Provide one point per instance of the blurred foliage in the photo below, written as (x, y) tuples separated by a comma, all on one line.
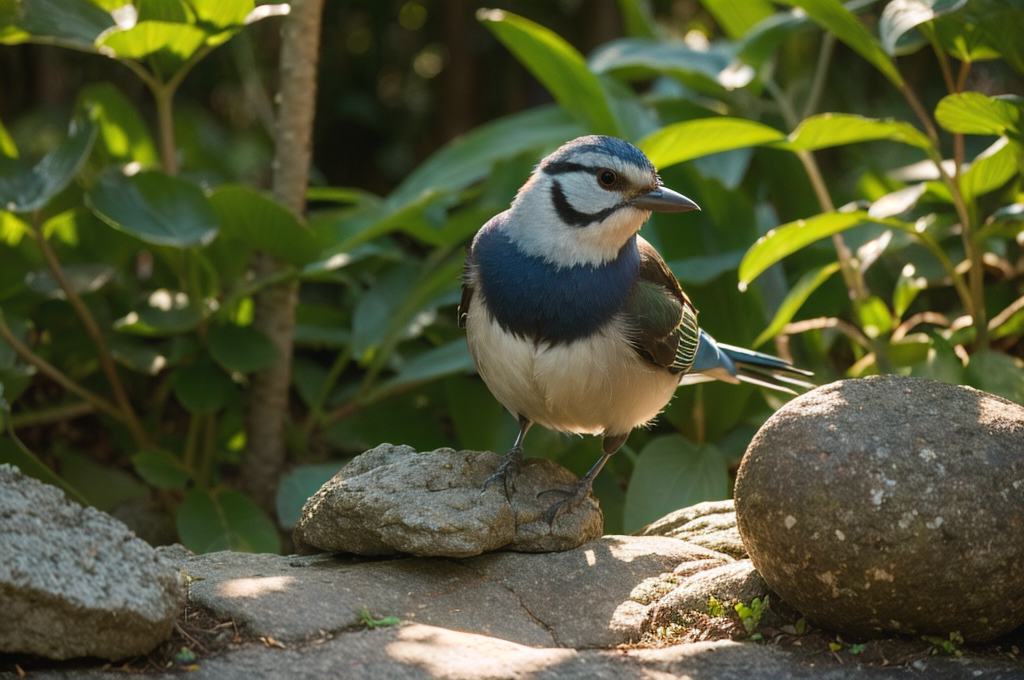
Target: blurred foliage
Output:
[(134, 217)]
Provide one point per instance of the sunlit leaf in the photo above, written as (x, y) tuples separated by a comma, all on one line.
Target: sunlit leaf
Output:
[(220, 15), (695, 138), (164, 313), (908, 285), (123, 134), (254, 220), (900, 17), (875, 318), (225, 520), (972, 113), (165, 44), (155, 207), (642, 59), (795, 299), (736, 18), (637, 18), (7, 146), (836, 129), (759, 43), (24, 189), (672, 473), (991, 169), (557, 65), (69, 23)]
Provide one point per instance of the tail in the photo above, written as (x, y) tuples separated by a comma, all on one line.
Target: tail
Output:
[(716, 361)]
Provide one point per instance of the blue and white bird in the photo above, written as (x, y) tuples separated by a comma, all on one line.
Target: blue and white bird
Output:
[(574, 321)]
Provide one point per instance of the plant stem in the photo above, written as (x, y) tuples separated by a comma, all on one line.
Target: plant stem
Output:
[(54, 414), (828, 43), (316, 409), (195, 423), (106, 360), (164, 97)]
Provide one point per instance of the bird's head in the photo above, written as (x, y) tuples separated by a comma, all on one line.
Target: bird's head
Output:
[(586, 200)]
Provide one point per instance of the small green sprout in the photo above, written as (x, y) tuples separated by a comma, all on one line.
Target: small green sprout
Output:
[(370, 623), (715, 608), (750, 616), (948, 646)]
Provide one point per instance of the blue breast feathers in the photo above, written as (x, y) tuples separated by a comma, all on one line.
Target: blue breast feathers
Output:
[(533, 299)]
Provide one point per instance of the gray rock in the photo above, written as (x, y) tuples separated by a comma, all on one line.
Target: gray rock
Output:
[(710, 525), (575, 598), (392, 500), (891, 504), (729, 583), (75, 581)]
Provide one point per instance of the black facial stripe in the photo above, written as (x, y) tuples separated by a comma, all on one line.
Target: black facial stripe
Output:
[(574, 217), (562, 167)]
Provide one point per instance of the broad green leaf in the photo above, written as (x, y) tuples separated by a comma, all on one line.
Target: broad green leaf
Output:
[(137, 354), (672, 473), (12, 228), (297, 486), (984, 30), (911, 350), (795, 299), (348, 229), (376, 308), (900, 17), (759, 43), (242, 349), (25, 189), (875, 318), (164, 313), (14, 454), (7, 146), (160, 468), (346, 195), (122, 132), (831, 15), (220, 15), (256, 221), (701, 270), (637, 17), (83, 279), (156, 208), (972, 113), (104, 486), (321, 326), (991, 169), (69, 23), (164, 44), (695, 138), (202, 388), (836, 129), (789, 238), (443, 360), (173, 11), (908, 285), (557, 65), (1012, 322), (642, 59), (225, 520), (736, 18), (998, 373)]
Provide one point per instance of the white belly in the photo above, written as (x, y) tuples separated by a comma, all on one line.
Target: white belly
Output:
[(596, 385)]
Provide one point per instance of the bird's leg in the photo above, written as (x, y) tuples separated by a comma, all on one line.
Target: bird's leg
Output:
[(581, 491), (511, 462)]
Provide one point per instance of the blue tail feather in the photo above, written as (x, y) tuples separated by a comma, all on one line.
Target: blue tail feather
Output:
[(736, 364)]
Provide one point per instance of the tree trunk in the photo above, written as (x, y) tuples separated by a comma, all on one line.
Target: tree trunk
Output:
[(275, 305)]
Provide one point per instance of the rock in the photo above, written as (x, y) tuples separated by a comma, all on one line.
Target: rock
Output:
[(729, 583), (891, 504), (75, 581), (576, 598), (711, 525), (393, 500)]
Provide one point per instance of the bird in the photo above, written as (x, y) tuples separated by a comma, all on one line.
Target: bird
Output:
[(575, 322)]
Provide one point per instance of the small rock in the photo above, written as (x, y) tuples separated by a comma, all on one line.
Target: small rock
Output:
[(710, 525), (75, 581), (392, 500), (891, 504), (733, 582)]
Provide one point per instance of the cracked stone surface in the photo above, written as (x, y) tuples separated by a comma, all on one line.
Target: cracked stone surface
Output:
[(392, 500), (891, 504), (576, 598), (74, 581), (711, 525)]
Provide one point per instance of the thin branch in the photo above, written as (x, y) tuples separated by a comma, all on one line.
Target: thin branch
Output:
[(824, 322), (54, 414), (828, 43), (106, 360), (916, 320), (1004, 316)]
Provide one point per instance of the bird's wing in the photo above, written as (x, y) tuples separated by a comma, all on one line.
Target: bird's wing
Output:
[(468, 278), (660, 319)]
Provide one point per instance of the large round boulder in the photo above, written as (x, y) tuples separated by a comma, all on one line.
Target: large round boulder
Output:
[(891, 504)]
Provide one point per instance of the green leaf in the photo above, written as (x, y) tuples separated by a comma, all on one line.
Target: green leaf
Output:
[(202, 388), (972, 113), (836, 129), (122, 132), (137, 354), (703, 269), (257, 221), (376, 308), (156, 208), (831, 15), (795, 299), (164, 313), (221, 15), (557, 65), (14, 453), (737, 18), (105, 487), (242, 349), (875, 318), (641, 59), (24, 189), (225, 520), (7, 146), (908, 285), (161, 469), (637, 18), (671, 473), (83, 279), (443, 360), (789, 238), (997, 373), (910, 350), (991, 169), (69, 23), (166, 45), (695, 138), (761, 40), (297, 486), (900, 17)]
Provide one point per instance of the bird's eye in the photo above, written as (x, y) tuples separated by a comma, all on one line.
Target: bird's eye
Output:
[(607, 178)]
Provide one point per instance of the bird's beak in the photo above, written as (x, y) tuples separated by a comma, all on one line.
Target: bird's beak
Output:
[(664, 199)]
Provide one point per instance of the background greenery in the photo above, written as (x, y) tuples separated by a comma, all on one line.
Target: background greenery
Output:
[(858, 167)]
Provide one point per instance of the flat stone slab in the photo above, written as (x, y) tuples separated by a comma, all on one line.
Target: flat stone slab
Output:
[(576, 598)]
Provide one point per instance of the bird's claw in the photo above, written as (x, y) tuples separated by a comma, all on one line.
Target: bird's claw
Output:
[(574, 497), (508, 470)]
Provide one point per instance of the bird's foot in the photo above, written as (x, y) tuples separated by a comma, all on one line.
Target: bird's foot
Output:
[(574, 497), (508, 470)]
